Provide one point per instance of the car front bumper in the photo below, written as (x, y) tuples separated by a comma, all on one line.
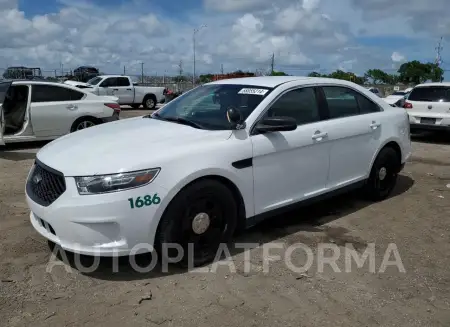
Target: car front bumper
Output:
[(99, 225)]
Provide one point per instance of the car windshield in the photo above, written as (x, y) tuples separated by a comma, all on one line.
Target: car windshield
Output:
[(94, 81), (206, 105), (430, 94)]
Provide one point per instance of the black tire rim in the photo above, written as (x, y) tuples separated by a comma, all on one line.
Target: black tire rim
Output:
[(205, 241), (385, 177)]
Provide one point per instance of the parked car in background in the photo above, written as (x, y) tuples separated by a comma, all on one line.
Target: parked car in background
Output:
[(123, 87), (398, 97), (85, 73), (37, 111), (375, 90), (249, 148), (428, 106)]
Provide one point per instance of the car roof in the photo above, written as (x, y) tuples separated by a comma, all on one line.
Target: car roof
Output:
[(29, 82), (434, 84), (103, 76), (273, 81)]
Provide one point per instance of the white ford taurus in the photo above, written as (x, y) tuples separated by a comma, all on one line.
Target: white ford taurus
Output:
[(218, 158)]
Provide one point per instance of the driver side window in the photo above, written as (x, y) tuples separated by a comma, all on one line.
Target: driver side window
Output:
[(109, 82), (300, 104)]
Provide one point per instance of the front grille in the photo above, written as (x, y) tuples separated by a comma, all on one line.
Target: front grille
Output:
[(45, 184)]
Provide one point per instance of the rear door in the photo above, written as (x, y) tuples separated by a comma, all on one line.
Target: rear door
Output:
[(54, 108), (4, 87), (124, 90), (429, 105), (354, 127)]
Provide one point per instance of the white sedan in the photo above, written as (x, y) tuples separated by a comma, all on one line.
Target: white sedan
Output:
[(220, 157), (38, 110), (397, 98)]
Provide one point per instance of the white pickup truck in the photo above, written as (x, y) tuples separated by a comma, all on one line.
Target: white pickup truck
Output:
[(123, 87)]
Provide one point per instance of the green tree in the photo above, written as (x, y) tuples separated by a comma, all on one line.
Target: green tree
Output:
[(315, 74), (417, 72), (377, 75), (275, 73)]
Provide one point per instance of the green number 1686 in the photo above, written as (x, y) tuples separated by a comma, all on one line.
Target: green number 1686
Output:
[(144, 201)]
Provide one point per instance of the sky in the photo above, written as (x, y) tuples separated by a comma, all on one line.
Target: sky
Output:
[(303, 35)]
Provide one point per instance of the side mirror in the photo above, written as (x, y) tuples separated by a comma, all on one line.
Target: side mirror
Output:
[(276, 124), (235, 118)]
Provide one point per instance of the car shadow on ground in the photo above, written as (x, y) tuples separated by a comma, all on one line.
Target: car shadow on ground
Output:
[(310, 219), (431, 137), (18, 151)]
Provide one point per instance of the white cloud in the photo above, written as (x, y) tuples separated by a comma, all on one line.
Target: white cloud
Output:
[(240, 33), (397, 57)]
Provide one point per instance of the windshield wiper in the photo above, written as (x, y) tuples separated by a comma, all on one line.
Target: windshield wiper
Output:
[(179, 120), (183, 121)]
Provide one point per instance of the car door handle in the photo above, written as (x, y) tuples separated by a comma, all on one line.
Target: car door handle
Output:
[(115, 89), (128, 89), (71, 107), (318, 136), (374, 125)]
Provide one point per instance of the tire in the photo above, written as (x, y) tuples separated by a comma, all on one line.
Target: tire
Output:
[(149, 102), (183, 222), (135, 105), (383, 176), (82, 123)]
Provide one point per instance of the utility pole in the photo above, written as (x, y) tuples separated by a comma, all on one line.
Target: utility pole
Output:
[(180, 67), (272, 64), (124, 70), (221, 69), (193, 41), (142, 72), (438, 60)]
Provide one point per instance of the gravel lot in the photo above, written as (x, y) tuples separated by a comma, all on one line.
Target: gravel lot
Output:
[(415, 218)]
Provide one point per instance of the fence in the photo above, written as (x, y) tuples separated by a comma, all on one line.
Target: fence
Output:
[(174, 84)]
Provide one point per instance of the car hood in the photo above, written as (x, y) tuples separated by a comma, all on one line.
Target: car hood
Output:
[(125, 145)]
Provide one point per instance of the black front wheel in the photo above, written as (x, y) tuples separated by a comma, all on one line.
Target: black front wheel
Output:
[(197, 221), (383, 176)]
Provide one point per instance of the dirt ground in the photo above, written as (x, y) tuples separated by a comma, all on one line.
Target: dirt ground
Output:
[(415, 219)]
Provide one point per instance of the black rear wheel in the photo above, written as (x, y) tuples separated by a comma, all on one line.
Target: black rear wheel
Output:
[(199, 219), (383, 176)]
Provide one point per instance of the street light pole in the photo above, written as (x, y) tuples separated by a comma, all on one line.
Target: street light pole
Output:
[(193, 41)]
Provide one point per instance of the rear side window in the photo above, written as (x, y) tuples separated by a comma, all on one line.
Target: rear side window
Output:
[(430, 94), (123, 81), (51, 93), (344, 102)]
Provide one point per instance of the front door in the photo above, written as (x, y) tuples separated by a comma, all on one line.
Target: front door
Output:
[(354, 130), (291, 166), (4, 87)]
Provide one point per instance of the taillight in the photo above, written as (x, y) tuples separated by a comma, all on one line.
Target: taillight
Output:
[(114, 106), (407, 105)]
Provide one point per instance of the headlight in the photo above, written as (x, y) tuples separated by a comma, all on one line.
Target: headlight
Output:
[(116, 182)]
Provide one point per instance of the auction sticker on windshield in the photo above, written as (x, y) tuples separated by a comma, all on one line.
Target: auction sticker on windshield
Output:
[(253, 91)]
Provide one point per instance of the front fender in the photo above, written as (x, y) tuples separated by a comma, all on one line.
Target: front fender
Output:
[(212, 172)]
